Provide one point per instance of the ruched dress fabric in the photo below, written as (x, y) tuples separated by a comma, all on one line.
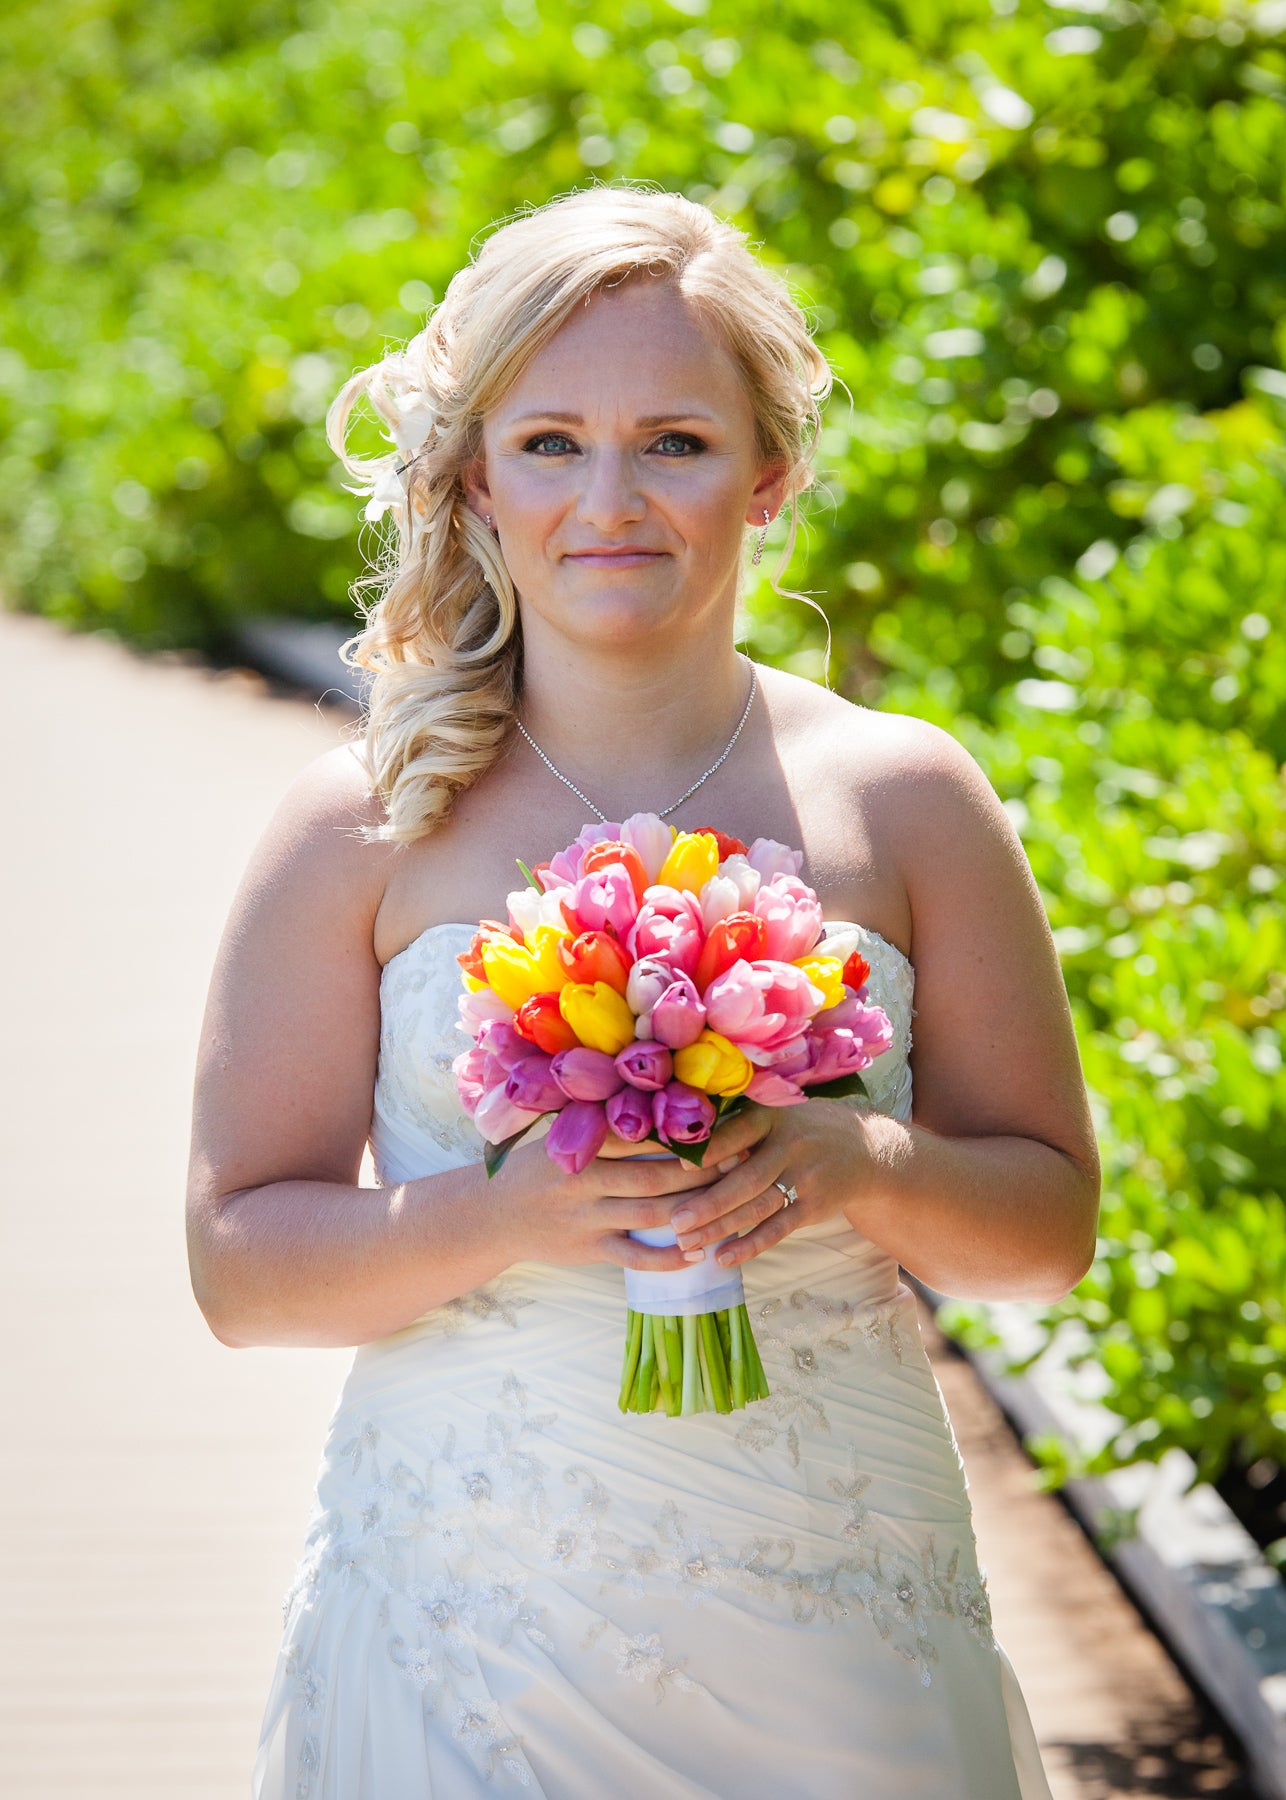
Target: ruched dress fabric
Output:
[(509, 1587)]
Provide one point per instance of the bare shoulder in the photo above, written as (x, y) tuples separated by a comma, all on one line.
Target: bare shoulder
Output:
[(890, 759), (318, 842)]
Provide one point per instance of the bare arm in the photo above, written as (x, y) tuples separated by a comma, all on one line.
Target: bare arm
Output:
[(992, 1191), (284, 1246)]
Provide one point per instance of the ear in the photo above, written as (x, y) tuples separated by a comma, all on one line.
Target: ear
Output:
[(476, 492), (769, 493)]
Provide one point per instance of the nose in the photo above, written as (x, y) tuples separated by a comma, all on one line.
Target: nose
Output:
[(610, 496)]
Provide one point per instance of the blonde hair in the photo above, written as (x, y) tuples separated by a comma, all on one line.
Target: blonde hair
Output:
[(442, 640)]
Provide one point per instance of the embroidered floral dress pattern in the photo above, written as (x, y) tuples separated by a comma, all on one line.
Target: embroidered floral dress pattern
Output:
[(482, 1504)]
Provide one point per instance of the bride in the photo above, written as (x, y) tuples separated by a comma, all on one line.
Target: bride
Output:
[(507, 1584)]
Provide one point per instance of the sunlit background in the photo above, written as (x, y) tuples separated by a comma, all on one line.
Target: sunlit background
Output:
[(1044, 251)]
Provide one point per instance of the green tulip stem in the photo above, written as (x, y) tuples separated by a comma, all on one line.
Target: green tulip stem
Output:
[(633, 1341)]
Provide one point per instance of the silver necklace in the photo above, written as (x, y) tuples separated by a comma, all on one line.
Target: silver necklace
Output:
[(675, 805)]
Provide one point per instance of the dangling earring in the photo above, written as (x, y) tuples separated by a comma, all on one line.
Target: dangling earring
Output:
[(757, 558), (487, 517)]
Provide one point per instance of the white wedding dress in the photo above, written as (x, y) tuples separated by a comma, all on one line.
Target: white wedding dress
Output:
[(510, 1587)]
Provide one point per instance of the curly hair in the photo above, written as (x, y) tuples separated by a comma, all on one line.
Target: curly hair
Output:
[(442, 638)]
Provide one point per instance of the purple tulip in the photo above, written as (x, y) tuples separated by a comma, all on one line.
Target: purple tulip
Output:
[(629, 1113), (497, 1117), (499, 1039), (682, 1115), (678, 1017), (585, 1074), (848, 1049), (531, 1084), (577, 1135), (645, 1065)]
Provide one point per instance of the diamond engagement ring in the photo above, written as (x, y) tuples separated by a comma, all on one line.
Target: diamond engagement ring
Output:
[(789, 1192)]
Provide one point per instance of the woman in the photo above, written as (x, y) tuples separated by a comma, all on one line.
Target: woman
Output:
[(507, 1583)]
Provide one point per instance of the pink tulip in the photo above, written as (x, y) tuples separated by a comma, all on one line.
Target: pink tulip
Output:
[(476, 1010), (668, 925), (584, 1074), (793, 1058), (678, 1017), (530, 1084), (682, 1115), (566, 869), (793, 917), (771, 858), (603, 901), (645, 1065), (650, 836), (761, 1004), (470, 1076), (497, 1117), (768, 1088), (647, 981), (577, 1135), (719, 897), (869, 1023), (629, 1114)]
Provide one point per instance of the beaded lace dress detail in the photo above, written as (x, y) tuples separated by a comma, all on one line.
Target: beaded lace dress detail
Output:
[(489, 1528)]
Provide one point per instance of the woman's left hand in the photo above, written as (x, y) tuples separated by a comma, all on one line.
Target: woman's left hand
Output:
[(819, 1149)]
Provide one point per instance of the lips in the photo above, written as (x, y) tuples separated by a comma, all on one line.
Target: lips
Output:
[(615, 556)]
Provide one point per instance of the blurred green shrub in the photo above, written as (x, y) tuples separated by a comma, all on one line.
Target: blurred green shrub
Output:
[(1044, 250)]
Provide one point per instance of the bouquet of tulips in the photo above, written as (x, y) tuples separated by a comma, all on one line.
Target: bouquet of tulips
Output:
[(646, 982)]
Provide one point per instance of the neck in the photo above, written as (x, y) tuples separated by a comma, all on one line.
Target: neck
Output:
[(632, 733)]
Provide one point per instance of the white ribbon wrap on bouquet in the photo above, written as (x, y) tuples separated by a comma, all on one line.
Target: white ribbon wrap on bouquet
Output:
[(701, 1287)]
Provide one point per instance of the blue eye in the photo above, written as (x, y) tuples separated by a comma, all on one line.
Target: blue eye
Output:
[(684, 440), (558, 438)]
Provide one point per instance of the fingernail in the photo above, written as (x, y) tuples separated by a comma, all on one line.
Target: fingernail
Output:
[(728, 1163), (681, 1220), (694, 1256), (724, 1258)]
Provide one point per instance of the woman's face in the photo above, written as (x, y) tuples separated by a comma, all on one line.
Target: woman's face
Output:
[(620, 472)]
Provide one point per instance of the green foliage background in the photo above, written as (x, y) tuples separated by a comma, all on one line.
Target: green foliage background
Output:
[(1044, 249)]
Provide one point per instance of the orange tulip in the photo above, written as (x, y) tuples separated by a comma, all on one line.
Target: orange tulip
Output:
[(595, 956), (728, 846), (740, 937), (470, 960), (857, 971), (541, 1022), (601, 854)]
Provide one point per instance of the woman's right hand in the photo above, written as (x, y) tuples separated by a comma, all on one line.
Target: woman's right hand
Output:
[(551, 1217)]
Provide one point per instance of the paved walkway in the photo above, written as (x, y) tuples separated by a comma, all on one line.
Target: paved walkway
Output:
[(156, 1483)]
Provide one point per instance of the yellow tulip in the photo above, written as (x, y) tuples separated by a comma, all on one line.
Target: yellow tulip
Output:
[(517, 971), (693, 860), (714, 1065), (543, 943), (598, 1015), (826, 973)]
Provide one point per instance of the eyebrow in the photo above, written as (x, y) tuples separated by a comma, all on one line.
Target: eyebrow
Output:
[(650, 421)]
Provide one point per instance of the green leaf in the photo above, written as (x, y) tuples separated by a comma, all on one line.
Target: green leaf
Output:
[(494, 1155), (839, 1089), (530, 877)]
